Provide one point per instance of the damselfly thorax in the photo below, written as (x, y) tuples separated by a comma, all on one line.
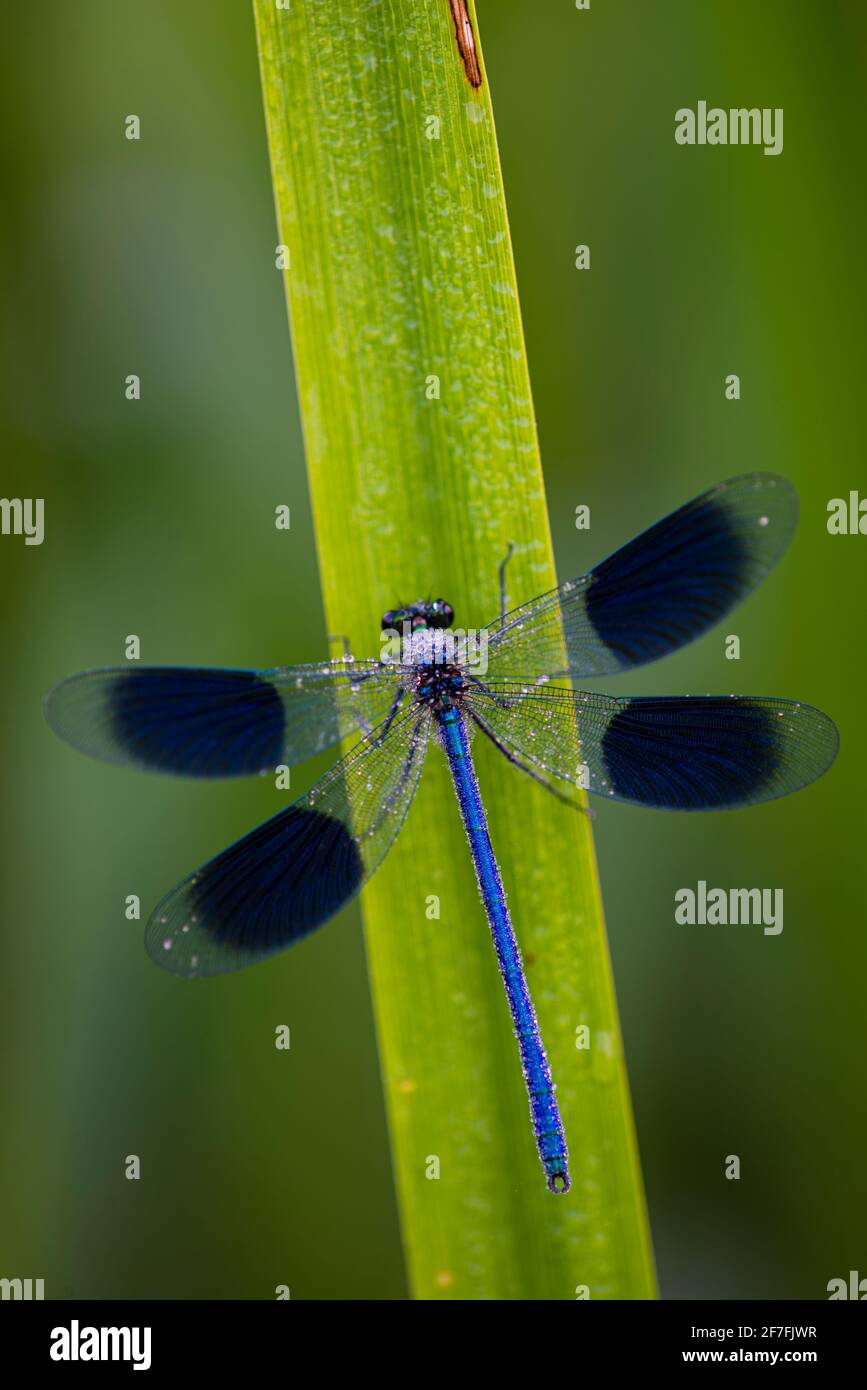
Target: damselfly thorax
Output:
[(440, 687), (434, 679)]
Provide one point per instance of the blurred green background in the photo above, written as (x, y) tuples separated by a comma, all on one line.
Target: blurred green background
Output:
[(261, 1167)]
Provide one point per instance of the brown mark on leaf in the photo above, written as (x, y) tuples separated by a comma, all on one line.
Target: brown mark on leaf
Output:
[(466, 42)]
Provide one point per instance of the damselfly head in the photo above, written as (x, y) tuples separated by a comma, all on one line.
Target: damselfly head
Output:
[(426, 613)]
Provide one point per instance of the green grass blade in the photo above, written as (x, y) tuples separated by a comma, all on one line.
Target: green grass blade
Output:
[(390, 199)]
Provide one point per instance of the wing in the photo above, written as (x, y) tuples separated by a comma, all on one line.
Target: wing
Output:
[(218, 723), (294, 872), (681, 753), (659, 592)]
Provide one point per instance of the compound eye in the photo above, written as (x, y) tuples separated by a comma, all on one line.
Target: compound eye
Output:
[(388, 620), (442, 614)]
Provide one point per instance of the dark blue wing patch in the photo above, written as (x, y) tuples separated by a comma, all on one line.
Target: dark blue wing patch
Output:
[(676, 752), (691, 755), (305, 865), (657, 593), (214, 722), (273, 887), (672, 582), (291, 874), (205, 723)]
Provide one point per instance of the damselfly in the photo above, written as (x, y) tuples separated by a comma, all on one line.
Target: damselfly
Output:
[(686, 753)]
